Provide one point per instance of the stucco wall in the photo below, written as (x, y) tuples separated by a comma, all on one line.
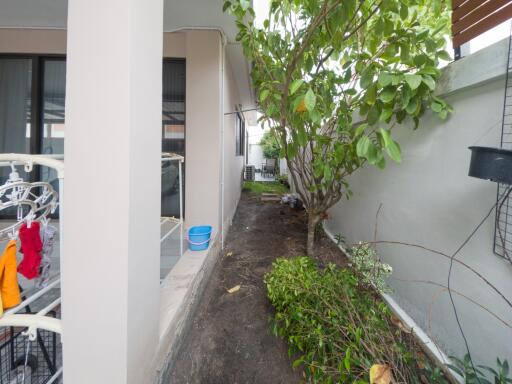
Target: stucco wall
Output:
[(429, 200), (203, 53), (233, 165)]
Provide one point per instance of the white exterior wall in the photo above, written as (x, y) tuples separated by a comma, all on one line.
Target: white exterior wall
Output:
[(256, 157), (202, 128), (429, 200), (233, 165)]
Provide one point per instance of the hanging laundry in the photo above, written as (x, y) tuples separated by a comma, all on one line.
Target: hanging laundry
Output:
[(31, 247), (48, 241), (9, 288)]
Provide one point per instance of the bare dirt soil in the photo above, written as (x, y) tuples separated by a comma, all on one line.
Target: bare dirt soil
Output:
[(230, 340)]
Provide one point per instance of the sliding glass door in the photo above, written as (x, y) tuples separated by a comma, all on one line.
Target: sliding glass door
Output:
[(32, 116), (52, 112), (15, 105)]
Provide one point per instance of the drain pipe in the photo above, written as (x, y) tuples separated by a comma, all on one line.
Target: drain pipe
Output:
[(224, 42), (222, 64)]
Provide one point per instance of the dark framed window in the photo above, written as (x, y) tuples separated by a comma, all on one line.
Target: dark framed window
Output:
[(173, 132), (32, 94), (240, 134)]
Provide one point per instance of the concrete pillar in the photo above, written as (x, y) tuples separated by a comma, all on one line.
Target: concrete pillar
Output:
[(203, 141), (110, 266)]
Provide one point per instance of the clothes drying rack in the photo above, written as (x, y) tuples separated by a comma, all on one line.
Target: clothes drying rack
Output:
[(176, 222), (42, 326), (29, 328)]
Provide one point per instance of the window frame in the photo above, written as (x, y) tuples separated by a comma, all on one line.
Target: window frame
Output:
[(36, 97), (240, 130)]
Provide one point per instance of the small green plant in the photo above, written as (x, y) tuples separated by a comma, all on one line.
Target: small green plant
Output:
[(283, 179), (371, 270), (336, 328), (340, 240), (477, 375)]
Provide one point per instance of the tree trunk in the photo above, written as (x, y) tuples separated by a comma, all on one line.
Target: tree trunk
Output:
[(313, 220)]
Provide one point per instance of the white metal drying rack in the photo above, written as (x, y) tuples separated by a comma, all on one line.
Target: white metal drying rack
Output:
[(176, 222), (34, 322), (40, 320)]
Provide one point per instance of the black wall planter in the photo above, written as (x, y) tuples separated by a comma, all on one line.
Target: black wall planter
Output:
[(493, 164)]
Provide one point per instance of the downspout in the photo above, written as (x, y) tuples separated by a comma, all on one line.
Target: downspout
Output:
[(223, 60), (224, 41)]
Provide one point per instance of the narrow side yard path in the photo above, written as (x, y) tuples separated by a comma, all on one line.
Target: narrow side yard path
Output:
[(230, 340)]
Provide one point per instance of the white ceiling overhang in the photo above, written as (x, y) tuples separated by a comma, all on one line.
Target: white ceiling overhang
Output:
[(178, 14)]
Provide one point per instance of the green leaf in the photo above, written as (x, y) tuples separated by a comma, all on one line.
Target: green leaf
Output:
[(327, 175), (430, 82), (386, 114), (310, 100), (366, 79), (362, 146), (387, 95), (346, 360), (371, 95), (385, 79), (413, 81), (295, 85), (443, 55), (373, 115), (436, 107), (412, 107), (227, 4), (263, 95), (386, 137), (393, 150), (404, 12), (360, 129), (297, 362)]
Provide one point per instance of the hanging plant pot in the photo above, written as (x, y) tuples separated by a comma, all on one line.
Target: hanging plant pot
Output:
[(493, 164)]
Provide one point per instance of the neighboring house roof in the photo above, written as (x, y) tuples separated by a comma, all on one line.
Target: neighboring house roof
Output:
[(178, 14)]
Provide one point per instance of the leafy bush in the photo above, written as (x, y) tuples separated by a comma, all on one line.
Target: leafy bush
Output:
[(477, 375), (371, 271), (336, 328), (270, 146)]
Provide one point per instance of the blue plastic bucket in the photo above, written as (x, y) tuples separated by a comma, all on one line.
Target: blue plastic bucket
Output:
[(199, 237)]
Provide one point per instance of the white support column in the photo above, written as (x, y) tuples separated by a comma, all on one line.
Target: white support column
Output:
[(111, 261)]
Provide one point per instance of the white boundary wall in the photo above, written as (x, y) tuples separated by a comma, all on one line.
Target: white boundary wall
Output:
[(430, 200)]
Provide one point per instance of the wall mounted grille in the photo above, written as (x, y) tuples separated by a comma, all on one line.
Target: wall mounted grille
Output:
[(471, 18), (503, 225)]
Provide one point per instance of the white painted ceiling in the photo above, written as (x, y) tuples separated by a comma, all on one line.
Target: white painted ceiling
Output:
[(177, 14)]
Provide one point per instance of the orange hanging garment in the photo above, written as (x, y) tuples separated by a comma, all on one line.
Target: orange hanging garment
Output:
[(9, 288)]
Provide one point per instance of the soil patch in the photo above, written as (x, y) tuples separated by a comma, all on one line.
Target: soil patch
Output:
[(230, 340)]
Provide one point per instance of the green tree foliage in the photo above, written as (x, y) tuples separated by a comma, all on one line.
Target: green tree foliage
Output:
[(334, 78), (270, 146)]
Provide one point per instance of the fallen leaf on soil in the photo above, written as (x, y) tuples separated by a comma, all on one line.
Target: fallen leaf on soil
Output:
[(399, 324), (380, 374), (234, 289)]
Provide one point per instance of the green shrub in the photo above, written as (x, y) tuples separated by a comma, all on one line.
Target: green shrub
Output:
[(335, 327), (371, 271), (477, 375)]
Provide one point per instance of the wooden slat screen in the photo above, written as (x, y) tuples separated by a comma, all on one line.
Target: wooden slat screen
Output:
[(471, 18)]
